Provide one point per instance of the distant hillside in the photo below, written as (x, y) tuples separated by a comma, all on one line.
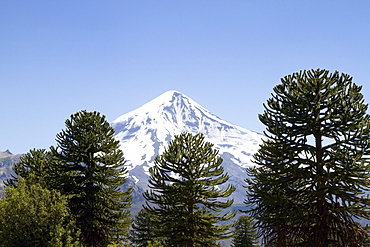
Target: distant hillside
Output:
[(7, 159)]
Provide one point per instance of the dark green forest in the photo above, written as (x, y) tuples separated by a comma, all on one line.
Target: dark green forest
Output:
[(309, 186)]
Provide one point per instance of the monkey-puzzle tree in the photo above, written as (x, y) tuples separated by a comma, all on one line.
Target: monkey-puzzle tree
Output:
[(39, 163), (245, 234), (308, 187), (143, 229), (91, 171), (185, 196)]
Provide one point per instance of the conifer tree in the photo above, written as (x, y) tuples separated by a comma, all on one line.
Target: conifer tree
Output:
[(185, 196), (144, 229), (39, 163), (245, 234), (91, 172), (308, 188)]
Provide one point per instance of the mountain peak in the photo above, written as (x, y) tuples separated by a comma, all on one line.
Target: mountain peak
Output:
[(145, 132), (157, 105), (171, 106), (166, 97), (5, 154), (171, 113), (170, 94)]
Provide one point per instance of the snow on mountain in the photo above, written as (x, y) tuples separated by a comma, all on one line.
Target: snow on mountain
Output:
[(144, 133)]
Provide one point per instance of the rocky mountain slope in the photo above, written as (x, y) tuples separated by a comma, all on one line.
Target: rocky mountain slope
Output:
[(7, 159)]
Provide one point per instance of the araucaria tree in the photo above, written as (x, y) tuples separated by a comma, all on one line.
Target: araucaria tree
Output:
[(312, 169), (185, 195), (91, 172), (38, 165), (143, 229), (245, 233)]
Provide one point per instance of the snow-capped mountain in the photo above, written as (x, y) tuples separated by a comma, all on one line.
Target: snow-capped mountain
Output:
[(144, 133)]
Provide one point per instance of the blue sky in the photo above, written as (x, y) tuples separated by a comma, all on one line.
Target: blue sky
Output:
[(59, 57)]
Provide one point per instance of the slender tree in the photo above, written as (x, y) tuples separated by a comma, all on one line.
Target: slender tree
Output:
[(185, 196), (91, 172), (245, 234), (308, 188)]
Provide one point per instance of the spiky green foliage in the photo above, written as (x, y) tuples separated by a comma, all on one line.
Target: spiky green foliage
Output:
[(143, 229), (91, 171), (39, 163), (308, 187), (185, 196), (245, 233), (31, 215), (155, 243)]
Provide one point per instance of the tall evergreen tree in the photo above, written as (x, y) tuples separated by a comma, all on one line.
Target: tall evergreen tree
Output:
[(185, 196), (245, 234), (308, 187), (91, 172)]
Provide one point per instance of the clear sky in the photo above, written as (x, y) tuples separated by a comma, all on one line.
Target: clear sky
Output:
[(59, 57)]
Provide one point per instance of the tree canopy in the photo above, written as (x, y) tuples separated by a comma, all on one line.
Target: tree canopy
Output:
[(39, 165), (312, 169), (245, 234), (91, 171), (143, 229), (31, 215)]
